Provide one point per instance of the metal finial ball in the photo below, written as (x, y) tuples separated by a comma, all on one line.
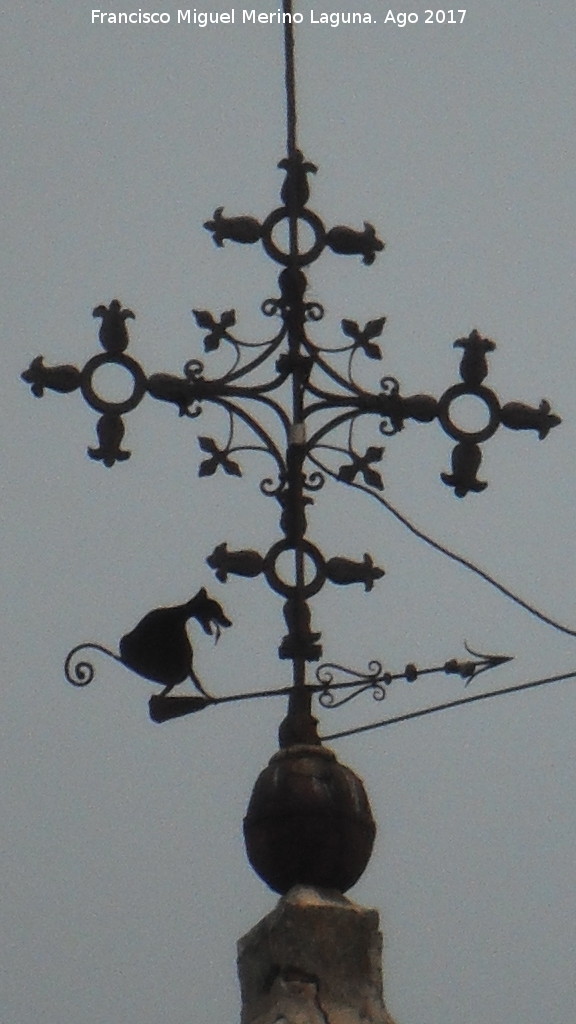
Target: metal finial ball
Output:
[(309, 822)]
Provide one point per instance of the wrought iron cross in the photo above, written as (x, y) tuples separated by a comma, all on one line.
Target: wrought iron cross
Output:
[(325, 402)]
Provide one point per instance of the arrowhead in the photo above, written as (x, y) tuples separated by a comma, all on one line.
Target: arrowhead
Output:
[(499, 659), (487, 661)]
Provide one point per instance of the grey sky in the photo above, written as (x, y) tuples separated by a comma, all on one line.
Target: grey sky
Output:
[(125, 880)]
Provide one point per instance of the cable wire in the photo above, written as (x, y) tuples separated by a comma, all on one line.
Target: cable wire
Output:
[(459, 559), (448, 705)]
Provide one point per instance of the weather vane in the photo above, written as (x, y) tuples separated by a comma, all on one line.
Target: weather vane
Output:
[(309, 436)]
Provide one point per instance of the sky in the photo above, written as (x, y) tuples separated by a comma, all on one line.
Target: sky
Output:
[(126, 884)]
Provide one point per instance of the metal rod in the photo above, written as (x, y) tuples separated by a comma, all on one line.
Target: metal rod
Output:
[(299, 701), (290, 78)]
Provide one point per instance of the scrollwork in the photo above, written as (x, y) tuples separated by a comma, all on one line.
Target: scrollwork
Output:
[(374, 681), (271, 307), (327, 698), (314, 311), (194, 370), (389, 386), (388, 427), (194, 412), (271, 488), (81, 673), (327, 673), (314, 481), (283, 305)]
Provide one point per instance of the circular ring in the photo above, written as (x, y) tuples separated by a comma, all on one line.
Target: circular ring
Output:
[(285, 258), (278, 584), (456, 432), (120, 359)]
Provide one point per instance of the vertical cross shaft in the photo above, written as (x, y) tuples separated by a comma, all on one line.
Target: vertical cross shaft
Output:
[(300, 702)]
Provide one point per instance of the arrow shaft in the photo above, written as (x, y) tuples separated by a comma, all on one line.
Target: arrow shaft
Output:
[(365, 682)]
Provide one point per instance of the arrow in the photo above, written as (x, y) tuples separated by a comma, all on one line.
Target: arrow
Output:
[(468, 669), (164, 708)]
